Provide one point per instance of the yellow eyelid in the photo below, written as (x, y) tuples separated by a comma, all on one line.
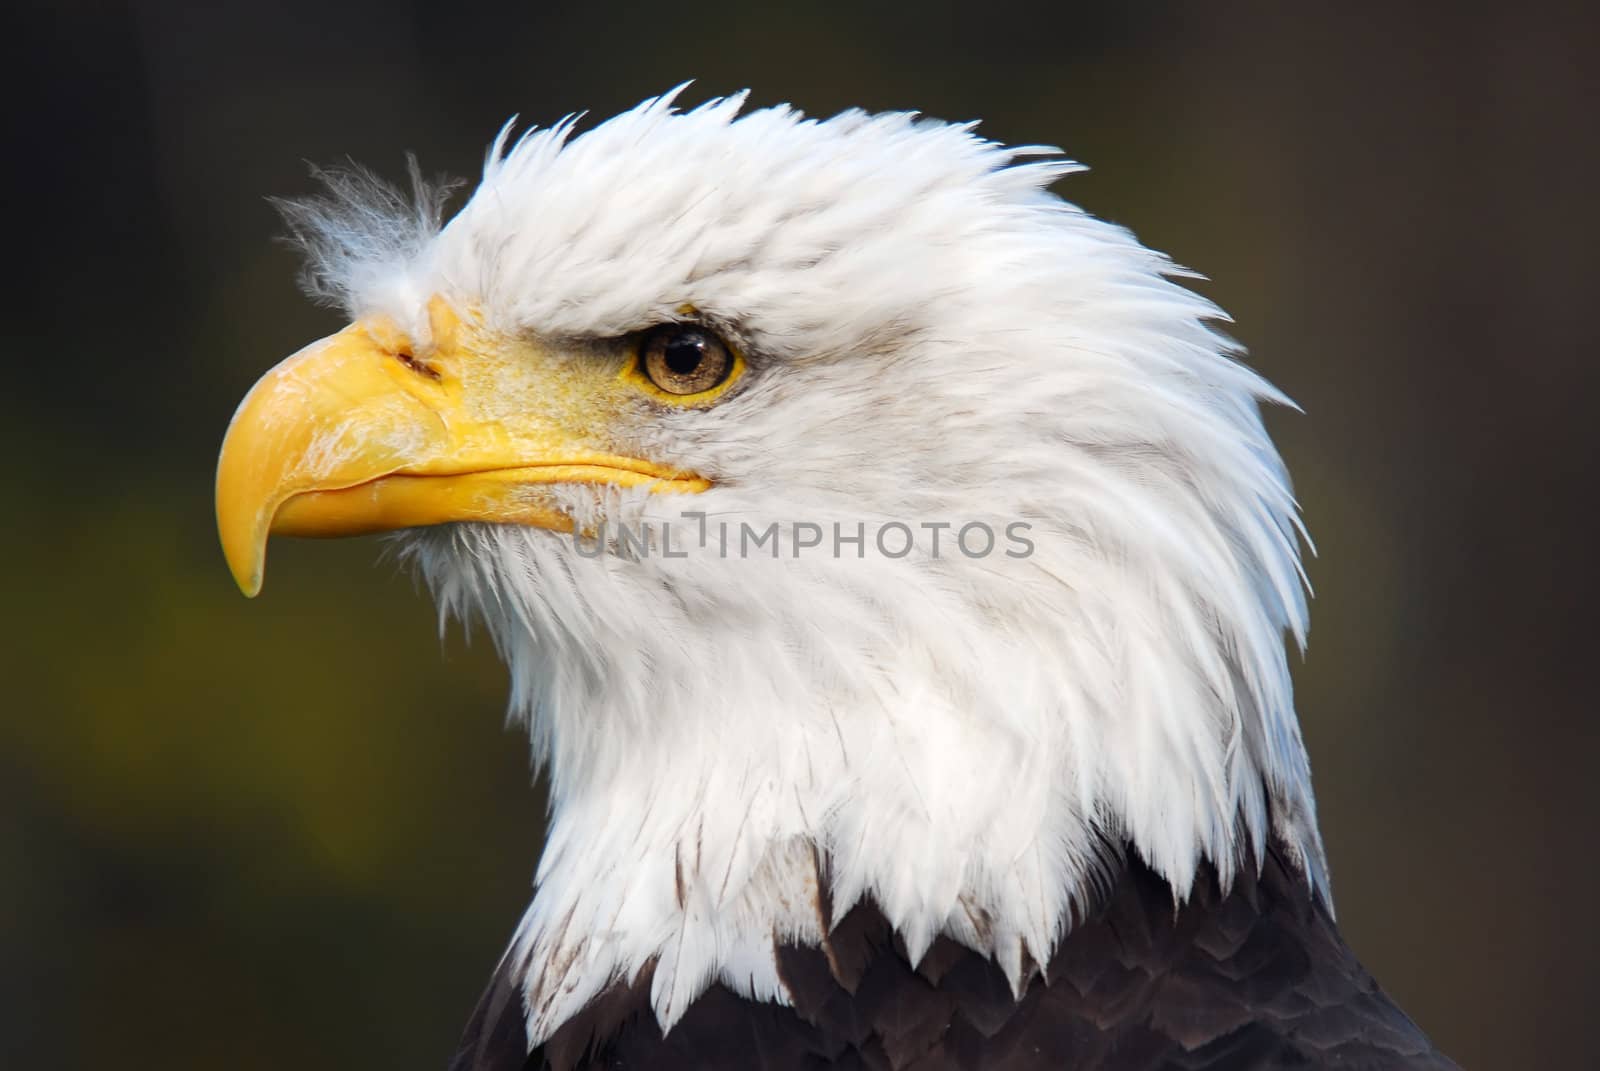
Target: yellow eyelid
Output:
[(633, 375)]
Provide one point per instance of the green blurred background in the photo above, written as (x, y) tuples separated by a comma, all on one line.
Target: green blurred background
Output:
[(294, 833)]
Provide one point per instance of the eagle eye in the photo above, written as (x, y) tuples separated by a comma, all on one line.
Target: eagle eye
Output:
[(685, 358)]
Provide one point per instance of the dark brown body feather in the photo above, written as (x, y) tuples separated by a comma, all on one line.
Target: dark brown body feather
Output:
[(1258, 978)]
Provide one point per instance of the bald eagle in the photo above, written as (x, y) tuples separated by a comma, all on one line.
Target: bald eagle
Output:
[(893, 572)]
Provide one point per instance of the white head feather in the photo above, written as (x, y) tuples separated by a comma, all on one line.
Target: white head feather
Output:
[(933, 336)]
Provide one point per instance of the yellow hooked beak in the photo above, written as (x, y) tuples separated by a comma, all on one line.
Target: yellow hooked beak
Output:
[(362, 433)]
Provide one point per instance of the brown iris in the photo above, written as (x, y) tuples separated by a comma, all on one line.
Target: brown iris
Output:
[(685, 358)]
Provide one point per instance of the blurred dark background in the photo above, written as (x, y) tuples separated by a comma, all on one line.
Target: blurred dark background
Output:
[(293, 833)]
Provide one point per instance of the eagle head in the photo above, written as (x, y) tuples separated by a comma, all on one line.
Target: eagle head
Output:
[(857, 519)]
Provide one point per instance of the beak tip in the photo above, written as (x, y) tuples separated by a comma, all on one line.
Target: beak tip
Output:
[(247, 577), (245, 552), (242, 527)]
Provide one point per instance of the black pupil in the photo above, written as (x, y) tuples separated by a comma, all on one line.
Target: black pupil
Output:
[(683, 353)]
